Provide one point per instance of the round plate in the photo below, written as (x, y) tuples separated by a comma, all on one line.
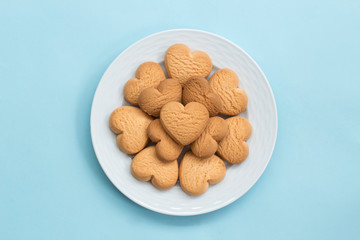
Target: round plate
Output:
[(261, 112)]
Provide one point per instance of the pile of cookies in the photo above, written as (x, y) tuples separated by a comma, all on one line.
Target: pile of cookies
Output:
[(181, 110)]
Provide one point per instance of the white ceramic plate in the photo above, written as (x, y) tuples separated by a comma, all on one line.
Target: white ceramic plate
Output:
[(261, 112)]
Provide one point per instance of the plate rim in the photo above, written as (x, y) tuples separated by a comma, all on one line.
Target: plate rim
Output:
[(213, 208)]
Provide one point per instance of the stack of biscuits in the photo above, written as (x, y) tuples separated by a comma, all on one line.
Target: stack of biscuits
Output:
[(178, 111)]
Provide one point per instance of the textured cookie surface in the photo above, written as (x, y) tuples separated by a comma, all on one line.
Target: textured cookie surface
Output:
[(181, 63), (196, 174), (166, 148), (233, 147), (148, 74), (146, 166), (184, 124), (207, 144), (130, 124), (197, 89), (224, 83), (151, 100)]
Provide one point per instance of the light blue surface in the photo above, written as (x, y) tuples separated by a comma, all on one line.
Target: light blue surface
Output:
[(52, 56)]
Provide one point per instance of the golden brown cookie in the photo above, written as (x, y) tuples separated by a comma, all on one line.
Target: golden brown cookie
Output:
[(207, 144), (166, 148), (148, 74), (151, 100), (146, 166), (184, 124), (130, 123), (224, 83), (197, 89), (196, 174), (181, 63), (233, 147)]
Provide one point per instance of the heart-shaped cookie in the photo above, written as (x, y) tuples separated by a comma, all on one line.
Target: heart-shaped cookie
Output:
[(184, 124), (196, 174), (146, 166), (130, 124), (181, 63), (207, 144), (151, 100), (148, 74), (166, 148), (224, 83), (197, 89), (233, 147)]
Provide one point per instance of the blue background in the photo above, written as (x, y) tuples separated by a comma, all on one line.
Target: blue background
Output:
[(52, 56)]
